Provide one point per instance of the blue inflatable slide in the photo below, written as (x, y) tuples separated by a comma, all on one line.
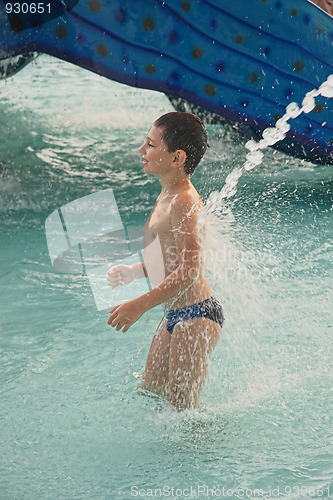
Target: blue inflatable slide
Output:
[(243, 62)]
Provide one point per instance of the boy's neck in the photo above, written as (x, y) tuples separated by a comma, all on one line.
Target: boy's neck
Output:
[(175, 183)]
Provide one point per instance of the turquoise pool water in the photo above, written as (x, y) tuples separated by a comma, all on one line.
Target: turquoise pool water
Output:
[(72, 424)]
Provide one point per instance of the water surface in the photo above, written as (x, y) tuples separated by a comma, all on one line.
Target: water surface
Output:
[(72, 424)]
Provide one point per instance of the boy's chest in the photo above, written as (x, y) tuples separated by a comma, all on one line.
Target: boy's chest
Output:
[(159, 220)]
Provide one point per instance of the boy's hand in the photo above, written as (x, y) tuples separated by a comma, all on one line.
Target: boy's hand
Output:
[(120, 275), (125, 315)]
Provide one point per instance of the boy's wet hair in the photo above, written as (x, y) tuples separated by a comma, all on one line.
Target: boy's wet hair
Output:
[(184, 131)]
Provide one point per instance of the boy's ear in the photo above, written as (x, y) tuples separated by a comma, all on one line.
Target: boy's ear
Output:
[(180, 157)]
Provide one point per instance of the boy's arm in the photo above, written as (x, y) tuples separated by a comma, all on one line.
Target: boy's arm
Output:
[(184, 223), (139, 270), (123, 274)]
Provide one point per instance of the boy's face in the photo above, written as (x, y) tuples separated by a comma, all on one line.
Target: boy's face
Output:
[(155, 155)]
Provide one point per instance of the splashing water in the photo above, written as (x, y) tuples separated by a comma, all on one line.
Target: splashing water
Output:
[(231, 268), (270, 136)]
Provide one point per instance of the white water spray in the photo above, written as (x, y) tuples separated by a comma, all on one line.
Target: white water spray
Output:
[(233, 273), (270, 136)]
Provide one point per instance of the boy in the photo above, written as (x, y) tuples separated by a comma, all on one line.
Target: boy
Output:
[(178, 359)]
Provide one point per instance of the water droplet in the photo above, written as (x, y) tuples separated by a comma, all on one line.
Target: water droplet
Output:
[(252, 145), (330, 80), (308, 104), (255, 157), (272, 135), (282, 125), (326, 90), (232, 178), (292, 110), (249, 166)]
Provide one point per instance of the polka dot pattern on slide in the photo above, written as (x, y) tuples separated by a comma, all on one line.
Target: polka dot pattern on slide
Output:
[(150, 69), (173, 37), (16, 24), (94, 5), (319, 108), (220, 67), (210, 89), (149, 24), (197, 53), (175, 75), (62, 32), (254, 77), (298, 66), (121, 15), (102, 50), (186, 6)]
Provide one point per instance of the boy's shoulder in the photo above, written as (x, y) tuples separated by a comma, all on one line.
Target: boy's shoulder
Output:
[(185, 203), (186, 197)]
